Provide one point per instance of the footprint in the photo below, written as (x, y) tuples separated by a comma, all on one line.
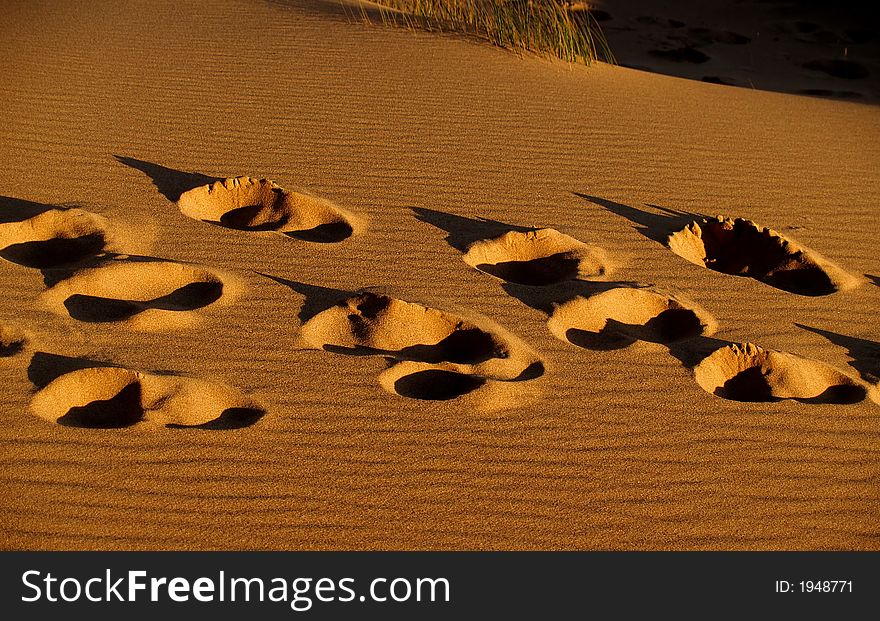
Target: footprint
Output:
[(845, 69), (248, 204), (619, 317), (539, 257), (373, 324), (685, 54), (443, 382), (54, 237), (750, 373), (115, 397), (742, 248), (145, 294), (13, 340)]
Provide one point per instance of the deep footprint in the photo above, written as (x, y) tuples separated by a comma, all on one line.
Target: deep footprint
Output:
[(145, 294), (437, 385), (53, 238), (750, 373), (742, 248), (538, 258), (114, 398), (373, 324), (622, 316), (248, 204)]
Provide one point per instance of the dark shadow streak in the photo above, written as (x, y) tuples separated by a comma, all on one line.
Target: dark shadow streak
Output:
[(655, 226), (865, 354), (317, 298), (44, 368), (873, 279), (171, 183), (230, 418), (546, 298), (461, 231), (17, 210)]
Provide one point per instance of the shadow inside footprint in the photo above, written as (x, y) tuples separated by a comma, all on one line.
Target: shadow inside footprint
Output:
[(437, 385), (52, 252), (329, 233), (230, 418), (96, 309), (537, 272), (252, 218), (122, 410)]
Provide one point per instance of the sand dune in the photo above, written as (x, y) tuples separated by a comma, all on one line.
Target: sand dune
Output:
[(509, 356)]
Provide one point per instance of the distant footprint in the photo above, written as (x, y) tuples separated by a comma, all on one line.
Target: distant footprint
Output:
[(845, 69), (742, 248), (54, 237), (750, 373), (114, 397), (248, 204), (147, 294), (13, 340), (622, 316), (540, 257), (685, 54)]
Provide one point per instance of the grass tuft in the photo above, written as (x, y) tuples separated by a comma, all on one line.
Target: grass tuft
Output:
[(560, 28)]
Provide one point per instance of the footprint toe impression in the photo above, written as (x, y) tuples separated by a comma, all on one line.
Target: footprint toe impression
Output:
[(114, 397), (622, 316), (53, 238), (248, 204), (750, 373), (742, 248), (456, 355), (147, 295), (538, 258)]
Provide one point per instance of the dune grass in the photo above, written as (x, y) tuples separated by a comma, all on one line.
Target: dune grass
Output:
[(546, 27)]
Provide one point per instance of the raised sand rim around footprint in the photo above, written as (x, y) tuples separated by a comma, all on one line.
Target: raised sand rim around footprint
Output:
[(144, 294), (113, 397), (374, 324), (539, 257), (54, 237), (742, 248), (622, 316), (751, 373), (248, 204)]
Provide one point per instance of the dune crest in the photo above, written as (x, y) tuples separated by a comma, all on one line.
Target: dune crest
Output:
[(748, 372), (54, 237), (145, 294), (248, 204), (115, 397), (540, 257), (742, 248), (621, 316)]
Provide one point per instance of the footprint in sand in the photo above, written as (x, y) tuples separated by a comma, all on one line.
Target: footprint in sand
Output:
[(248, 204), (750, 373), (453, 355), (845, 69), (142, 293), (54, 237), (742, 248), (537, 257), (622, 316), (115, 397), (13, 340)]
